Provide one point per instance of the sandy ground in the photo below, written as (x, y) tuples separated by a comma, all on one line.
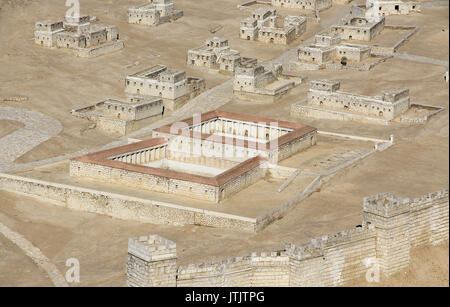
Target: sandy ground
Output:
[(8, 127), (56, 82)]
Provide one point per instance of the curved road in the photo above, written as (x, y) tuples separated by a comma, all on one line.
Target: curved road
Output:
[(37, 129)]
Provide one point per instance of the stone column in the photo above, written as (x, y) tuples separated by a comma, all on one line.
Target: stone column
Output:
[(151, 262)]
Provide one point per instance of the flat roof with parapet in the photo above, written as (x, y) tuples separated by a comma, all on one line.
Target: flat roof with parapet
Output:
[(129, 104), (144, 7), (262, 11), (154, 71), (356, 46), (315, 46), (105, 157)]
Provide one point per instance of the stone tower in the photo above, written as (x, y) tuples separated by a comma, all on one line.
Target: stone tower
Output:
[(151, 262), (390, 216)]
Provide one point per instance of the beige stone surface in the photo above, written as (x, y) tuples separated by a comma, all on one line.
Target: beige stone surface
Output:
[(417, 164)]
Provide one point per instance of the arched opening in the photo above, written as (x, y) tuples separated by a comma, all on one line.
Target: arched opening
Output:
[(344, 61), (380, 113)]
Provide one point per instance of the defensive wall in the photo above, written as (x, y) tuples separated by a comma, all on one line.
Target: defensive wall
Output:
[(381, 245)]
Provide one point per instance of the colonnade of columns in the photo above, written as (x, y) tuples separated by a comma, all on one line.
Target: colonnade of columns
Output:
[(142, 156), (244, 129)]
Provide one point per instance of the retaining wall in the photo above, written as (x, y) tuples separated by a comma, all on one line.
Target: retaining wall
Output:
[(123, 207)]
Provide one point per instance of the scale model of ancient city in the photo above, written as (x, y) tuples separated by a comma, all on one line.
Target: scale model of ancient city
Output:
[(180, 143)]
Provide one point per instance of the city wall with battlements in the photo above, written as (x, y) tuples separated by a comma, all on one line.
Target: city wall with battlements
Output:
[(379, 247)]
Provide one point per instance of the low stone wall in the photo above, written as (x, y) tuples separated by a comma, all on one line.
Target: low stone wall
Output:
[(390, 50), (263, 95), (100, 50), (303, 110), (300, 66), (122, 207), (404, 118), (279, 212), (380, 246), (249, 3)]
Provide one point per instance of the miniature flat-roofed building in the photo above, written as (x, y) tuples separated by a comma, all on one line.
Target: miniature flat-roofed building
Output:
[(171, 85), (78, 33), (155, 13), (344, 53), (45, 32), (209, 157), (263, 25), (327, 39), (326, 101), (304, 4), (257, 83), (122, 117), (391, 7), (217, 54), (316, 54), (359, 28), (128, 110), (328, 49)]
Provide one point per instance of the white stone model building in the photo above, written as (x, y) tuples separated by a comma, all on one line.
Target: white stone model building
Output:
[(122, 117), (150, 93), (328, 49), (210, 157), (326, 101), (257, 83), (155, 13), (376, 8), (217, 54), (171, 85), (263, 25), (359, 27), (78, 33), (303, 4)]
